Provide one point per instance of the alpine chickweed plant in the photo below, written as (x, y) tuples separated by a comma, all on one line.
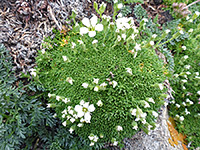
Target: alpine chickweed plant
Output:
[(185, 108), (104, 78)]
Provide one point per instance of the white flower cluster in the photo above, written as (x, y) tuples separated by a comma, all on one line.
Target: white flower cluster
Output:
[(79, 114), (58, 98), (98, 86), (141, 116), (33, 72), (93, 138)]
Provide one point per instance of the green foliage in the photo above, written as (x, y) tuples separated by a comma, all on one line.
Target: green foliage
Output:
[(68, 69), (170, 2), (140, 12), (126, 10), (25, 122), (186, 83)]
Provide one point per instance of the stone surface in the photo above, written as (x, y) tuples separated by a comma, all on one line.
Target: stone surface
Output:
[(156, 139)]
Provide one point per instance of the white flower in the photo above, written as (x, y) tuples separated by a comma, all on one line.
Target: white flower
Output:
[(66, 100), (80, 41), (71, 130), (48, 105), (149, 127), (181, 118), (198, 92), (69, 80), (95, 41), (190, 20), (99, 103), (167, 31), (69, 108), (146, 105), (43, 51), (143, 115), (84, 110), (115, 1), (155, 114), (188, 73), (80, 125), (129, 70), (96, 89), (137, 119), (95, 138), (185, 57), (135, 127), (91, 26), (92, 144), (103, 84), (161, 86), (133, 112), (64, 123), (197, 73), (124, 36), (57, 98), (184, 87), (119, 128), (178, 106), (73, 44), (137, 47), (181, 32), (197, 13), (114, 83), (186, 111), (65, 58), (184, 81), (187, 66), (122, 23), (91, 137), (115, 143), (120, 5), (71, 112), (33, 72), (133, 36), (96, 81), (183, 47), (64, 111), (85, 85), (151, 43), (106, 17), (145, 19), (191, 30), (173, 102), (144, 121), (118, 38), (151, 100), (49, 95), (55, 115), (154, 36), (184, 104), (72, 120)]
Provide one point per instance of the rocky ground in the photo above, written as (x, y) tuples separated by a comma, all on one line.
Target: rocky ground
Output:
[(25, 23)]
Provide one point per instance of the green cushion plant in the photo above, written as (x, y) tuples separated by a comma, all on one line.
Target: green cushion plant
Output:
[(104, 78)]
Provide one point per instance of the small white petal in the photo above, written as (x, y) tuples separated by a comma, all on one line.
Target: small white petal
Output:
[(92, 33), (86, 22), (99, 27), (94, 20), (91, 108), (83, 30)]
